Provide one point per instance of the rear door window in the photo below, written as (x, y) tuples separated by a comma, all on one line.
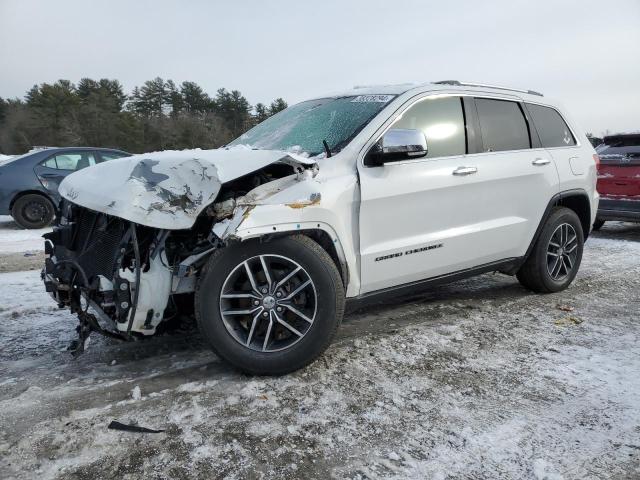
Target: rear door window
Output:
[(502, 125), (442, 122), (553, 130), (70, 161)]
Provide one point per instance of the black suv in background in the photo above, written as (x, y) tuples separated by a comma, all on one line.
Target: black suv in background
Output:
[(29, 182)]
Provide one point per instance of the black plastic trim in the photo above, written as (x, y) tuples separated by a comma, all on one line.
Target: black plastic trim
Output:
[(618, 215), (534, 136), (507, 265), (622, 205), (472, 125), (555, 200)]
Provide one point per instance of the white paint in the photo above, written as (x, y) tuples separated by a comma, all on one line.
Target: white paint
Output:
[(184, 183), (328, 202), (481, 218), (155, 286)]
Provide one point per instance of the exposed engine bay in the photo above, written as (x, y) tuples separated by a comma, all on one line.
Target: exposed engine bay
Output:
[(120, 277)]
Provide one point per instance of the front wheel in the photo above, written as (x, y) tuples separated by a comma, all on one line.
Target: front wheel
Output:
[(269, 308), (556, 255)]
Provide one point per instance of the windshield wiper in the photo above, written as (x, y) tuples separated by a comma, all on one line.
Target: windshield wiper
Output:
[(326, 148)]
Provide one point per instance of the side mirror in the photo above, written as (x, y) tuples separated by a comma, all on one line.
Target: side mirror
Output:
[(396, 145)]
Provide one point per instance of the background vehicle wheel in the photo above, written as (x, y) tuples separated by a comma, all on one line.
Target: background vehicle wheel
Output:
[(269, 308), (556, 255), (597, 225), (33, 211)]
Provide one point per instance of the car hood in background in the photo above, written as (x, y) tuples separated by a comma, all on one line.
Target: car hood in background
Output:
[(167, 189)]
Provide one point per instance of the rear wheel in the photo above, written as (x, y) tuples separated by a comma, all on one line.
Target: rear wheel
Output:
[(556, 255), (33, 211), (269, 308), (597, 225)]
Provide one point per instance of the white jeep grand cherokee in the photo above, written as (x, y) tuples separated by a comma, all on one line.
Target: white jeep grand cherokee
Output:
[(345, 198)]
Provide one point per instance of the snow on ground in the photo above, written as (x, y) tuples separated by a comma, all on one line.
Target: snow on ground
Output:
[(477, 379), (15, 239)]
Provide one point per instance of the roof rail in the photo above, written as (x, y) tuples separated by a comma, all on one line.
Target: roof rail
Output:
[(497, 87)]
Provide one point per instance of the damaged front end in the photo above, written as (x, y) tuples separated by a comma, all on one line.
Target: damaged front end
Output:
[(119, 262), (112, 273)]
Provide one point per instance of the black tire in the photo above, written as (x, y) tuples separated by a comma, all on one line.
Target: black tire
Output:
[(329, 305), (597, 225), (535, 274), (33, 211)]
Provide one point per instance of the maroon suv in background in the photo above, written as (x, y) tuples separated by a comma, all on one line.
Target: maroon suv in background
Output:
[(619, 179)]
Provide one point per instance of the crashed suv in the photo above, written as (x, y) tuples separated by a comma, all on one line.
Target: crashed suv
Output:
[(349, 198)]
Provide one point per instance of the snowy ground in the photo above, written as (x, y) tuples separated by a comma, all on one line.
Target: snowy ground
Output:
[(477, 379), (15, 239), (20, 249)]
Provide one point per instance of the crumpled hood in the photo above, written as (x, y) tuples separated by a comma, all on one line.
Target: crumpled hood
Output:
[(166, 189)]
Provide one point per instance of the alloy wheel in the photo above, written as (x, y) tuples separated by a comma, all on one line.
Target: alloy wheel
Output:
[(562, 252), (268, 303)]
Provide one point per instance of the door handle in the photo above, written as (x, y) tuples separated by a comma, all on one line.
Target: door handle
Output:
[(541, 161), (465, 170)]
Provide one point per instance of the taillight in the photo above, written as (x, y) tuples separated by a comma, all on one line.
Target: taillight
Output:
[(44, 182), (596, 158)]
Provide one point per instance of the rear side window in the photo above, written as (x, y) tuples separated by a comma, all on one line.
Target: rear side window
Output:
[(70, 161), (552, 129), (442, 122), (502, 125)]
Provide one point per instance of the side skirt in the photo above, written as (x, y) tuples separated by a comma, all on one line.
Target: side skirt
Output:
[(508, 266)]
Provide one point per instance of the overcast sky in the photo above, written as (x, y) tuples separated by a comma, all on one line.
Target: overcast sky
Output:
[(584, 53)]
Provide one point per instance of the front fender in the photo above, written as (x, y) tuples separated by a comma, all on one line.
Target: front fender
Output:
[(291, 205)]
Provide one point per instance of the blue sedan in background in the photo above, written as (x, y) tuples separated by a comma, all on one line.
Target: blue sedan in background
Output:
[(29, 182)]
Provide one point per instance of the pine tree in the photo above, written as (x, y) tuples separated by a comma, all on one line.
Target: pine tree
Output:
[(277, 105), (173, 98), (86, 87), (234, 109), (54, 111), (261, 113), (108, 93), (3, 110), (156, 115), (152, 97), (195, 100), (113, 89)]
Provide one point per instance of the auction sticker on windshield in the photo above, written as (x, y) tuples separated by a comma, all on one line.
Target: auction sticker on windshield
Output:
[(373, 98)]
